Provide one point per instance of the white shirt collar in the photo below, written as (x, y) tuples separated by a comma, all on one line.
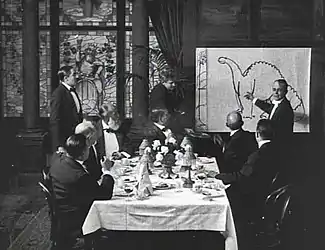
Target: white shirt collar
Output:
[(66, 85), (161, 127), (277, 102), (104, 124), (82, 164), (232, 132), (261, 143)]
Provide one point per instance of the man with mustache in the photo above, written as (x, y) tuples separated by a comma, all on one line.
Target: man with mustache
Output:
[(112, 139), (280, 110)]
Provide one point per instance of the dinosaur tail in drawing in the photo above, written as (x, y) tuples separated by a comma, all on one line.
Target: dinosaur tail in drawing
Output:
[(240, 84)]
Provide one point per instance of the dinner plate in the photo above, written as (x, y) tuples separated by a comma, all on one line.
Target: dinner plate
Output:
[(206, 160), (122, 194), (129, 179), (163, 187)]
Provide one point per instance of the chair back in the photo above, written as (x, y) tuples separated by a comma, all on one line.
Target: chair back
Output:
[(53, 212), (267, 229)]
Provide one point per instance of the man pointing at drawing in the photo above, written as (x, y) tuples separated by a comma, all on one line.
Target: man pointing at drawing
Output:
[(280, 110)]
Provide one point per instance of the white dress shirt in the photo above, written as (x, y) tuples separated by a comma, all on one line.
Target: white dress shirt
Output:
[(74, 96), (111, 142), (274, 102), (161, 127), (232, 132)]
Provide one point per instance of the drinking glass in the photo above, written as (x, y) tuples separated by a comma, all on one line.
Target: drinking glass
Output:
[(128, 190)]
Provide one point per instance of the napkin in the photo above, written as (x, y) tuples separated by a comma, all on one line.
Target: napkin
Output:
[(144, 186)]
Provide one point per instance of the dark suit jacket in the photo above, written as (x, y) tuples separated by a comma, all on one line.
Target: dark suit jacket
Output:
[(122, 138), (237, 149), (75, 190), (64, 116), (152, 132), (161, 98), (282, 118), (93, 164), (255, 178)]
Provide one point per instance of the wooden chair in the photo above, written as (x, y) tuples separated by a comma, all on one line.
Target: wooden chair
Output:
[(52, 212), (267, 230)]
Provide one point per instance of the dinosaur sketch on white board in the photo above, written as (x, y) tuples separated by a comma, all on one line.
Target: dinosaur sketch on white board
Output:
[(250, 80)]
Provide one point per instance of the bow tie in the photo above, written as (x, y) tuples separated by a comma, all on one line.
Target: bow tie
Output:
[(72, 89), (108, 130), (164, 129)]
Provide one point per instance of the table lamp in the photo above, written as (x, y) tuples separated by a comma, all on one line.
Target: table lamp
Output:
[(188, 160), (147, 159), (144, 144)]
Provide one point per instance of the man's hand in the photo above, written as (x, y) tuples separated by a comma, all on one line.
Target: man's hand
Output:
[(217, 139), (61, 150), (106, 163), (117, 156), (249, 96)]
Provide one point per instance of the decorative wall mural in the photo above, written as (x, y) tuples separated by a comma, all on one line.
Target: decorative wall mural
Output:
[(225, 75)]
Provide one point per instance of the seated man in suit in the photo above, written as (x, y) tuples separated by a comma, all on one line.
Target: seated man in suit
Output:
[(94, 164), (74, 188), (255, 177), (112, 140), (238, 147), (157, 127), (235, 152)]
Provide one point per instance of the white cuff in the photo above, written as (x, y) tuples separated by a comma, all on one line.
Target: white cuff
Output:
[(125, 154), (254, 100)]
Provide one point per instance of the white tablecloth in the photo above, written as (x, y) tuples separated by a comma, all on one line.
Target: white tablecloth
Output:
[(166, 210)]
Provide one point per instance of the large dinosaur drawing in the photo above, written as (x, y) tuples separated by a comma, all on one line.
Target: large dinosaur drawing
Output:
[(253, 79)]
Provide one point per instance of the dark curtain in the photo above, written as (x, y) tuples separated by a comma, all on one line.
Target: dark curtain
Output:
[(167, 20)]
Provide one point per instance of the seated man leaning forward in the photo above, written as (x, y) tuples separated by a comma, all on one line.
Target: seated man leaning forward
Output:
[(74, 188), (112, 140), (238, 147), (94, 163), (255, 177), (157, 127)]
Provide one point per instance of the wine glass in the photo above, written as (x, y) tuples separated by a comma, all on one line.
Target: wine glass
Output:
[(128, 189), (201, 177)]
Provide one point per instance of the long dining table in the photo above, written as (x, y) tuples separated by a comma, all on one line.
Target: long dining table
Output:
[(174, 209)]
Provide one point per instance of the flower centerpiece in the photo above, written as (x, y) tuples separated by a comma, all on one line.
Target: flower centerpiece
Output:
[(168, 162)]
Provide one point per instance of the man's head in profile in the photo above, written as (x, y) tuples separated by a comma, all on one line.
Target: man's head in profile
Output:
[(160, 116), (110, 116), (168, 78), (279, 89), (264, 130)]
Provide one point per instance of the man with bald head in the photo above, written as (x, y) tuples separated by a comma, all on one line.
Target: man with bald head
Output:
[(239, 146)]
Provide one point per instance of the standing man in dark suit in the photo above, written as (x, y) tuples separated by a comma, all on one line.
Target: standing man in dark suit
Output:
[(239, 146), (112, 139), (66, 110), (280, 110), (281, 114), (75, 189), (162, 96), (256, 175)]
